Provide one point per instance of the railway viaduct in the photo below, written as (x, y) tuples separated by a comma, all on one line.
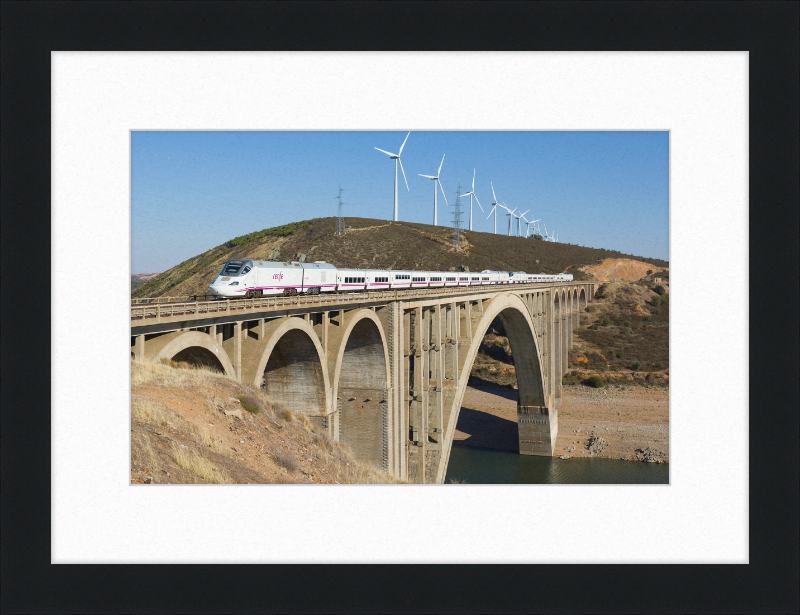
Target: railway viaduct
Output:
[(383, 372)]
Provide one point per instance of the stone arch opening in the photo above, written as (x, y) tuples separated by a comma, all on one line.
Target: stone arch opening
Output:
[(515, 320), (200, 357), (361, 385), (195, 348), (293, 375), (524, 353), (582, 298)]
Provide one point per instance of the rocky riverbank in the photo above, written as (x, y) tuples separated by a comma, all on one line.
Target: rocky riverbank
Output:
[(613, 422)]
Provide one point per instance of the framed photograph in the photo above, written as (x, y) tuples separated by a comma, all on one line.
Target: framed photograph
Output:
[(731, 144)]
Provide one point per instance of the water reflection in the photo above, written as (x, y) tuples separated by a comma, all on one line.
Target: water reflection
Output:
[(477, 466)]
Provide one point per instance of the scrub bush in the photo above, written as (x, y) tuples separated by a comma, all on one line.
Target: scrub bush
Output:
[(595, 381)]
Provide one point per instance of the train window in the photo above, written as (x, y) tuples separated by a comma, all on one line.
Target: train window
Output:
[(232, 267), (246, 270)]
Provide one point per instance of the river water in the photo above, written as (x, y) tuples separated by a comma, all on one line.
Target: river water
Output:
[(481, 466)]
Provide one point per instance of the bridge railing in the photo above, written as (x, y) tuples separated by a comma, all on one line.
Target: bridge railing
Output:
[(141, 311)]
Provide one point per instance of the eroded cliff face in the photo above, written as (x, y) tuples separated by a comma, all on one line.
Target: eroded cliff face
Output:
[(627, 270)]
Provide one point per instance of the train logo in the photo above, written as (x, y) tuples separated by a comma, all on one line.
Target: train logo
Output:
[(277, 276)]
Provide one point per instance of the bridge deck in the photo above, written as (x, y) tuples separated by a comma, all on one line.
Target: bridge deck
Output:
[(163, 313)]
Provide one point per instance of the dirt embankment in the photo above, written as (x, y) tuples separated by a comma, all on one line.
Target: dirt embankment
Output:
[(626, 270), (197, 426), (629, 423)]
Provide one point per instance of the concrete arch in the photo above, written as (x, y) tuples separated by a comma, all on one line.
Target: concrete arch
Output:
[(292, 364), (198, 348), (582, 298), (519, 326), (360, 377)]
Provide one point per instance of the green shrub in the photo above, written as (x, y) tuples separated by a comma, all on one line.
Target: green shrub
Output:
[(648, 319), (626, 323), (250, 403), (620, 354), (649, 272), (660, 290), (277, 231), (595, 381), (605, 322), (659, 366), (635, 367)]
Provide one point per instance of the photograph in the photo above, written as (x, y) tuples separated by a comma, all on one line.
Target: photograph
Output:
[(303, 312)]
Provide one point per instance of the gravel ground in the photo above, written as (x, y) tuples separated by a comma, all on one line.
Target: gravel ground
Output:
[(630, 423)]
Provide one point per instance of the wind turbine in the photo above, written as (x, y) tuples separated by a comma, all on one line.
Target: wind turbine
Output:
[(510, 215), (471, 194), (519, 222), (528, 230), (495, 205), (436, 181), (396, 158)]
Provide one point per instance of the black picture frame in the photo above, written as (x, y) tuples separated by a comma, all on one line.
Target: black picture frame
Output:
[(768, 30)]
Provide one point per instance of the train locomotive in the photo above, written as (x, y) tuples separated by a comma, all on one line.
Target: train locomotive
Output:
[(262, 278)]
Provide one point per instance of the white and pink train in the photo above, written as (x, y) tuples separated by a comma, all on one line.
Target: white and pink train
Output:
[(255, 278)]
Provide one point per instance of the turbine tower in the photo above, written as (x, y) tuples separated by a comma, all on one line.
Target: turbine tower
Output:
[(471, 194), (435, 179), (510, 215), (519, 223), (494, 209), (396, 158)]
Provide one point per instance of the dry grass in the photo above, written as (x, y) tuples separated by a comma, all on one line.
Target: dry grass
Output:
[(198, 466), (169, 373), (180, 450)]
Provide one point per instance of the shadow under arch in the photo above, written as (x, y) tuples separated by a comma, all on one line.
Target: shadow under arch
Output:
[(198, 349), (582, 298), (360, 378), (293, 368), (515, 317)]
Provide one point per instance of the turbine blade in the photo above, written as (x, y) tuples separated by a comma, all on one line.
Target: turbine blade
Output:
[(473, 180), (385, 152), (490, 212), (404, 144), (493, 194), (439, 172), (443, 194), (476, 198), (403, 170), (421, 175), (526, 211)]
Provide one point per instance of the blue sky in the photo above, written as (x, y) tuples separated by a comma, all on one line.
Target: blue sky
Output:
[(192, 191)]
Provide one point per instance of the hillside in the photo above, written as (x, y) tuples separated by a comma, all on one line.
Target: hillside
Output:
[(623, 337), (193, 425), (381, 244)]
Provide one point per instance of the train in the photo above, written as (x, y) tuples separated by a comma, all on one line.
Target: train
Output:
[(261, 278)]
